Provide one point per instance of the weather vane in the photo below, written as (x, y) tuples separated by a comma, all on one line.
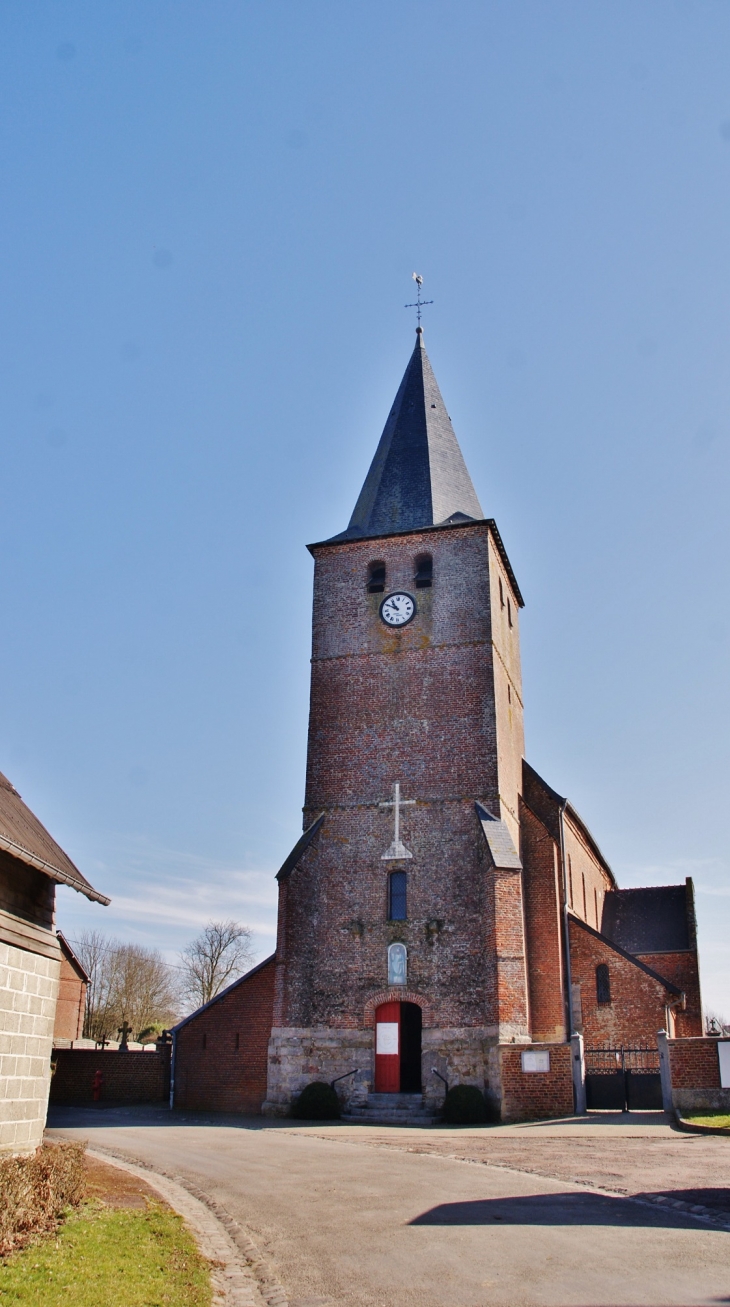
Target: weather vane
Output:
[(419, 304)]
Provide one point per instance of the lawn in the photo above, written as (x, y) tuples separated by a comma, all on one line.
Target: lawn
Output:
[(122, 1257), (710, 1118)]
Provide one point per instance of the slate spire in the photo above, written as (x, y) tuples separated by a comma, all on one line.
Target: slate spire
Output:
[(418, 476)]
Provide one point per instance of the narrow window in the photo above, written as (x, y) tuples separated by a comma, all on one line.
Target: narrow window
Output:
[(509, 693), (397, 896), (509, 611), (376, 578), (424, 572), (238, 1041), (205, 1041), (585, 906), (595, 904), (501, 593), (570, 881), (603, 984)]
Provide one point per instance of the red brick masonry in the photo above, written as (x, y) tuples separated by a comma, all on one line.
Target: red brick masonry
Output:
[(694, 1063), (221, 1053), (536, 1095), (133, 1077)]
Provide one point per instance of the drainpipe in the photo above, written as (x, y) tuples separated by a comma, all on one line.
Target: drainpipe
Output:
[(172, 1069), (566, 935)]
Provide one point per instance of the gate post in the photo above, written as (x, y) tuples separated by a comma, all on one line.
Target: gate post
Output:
[(578, 1063), (665, 1070)]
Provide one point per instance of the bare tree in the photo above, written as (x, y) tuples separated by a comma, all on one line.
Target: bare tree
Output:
[(219, 955), (127, 983)]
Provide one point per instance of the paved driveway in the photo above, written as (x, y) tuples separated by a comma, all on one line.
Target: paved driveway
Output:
[(452, 1218)]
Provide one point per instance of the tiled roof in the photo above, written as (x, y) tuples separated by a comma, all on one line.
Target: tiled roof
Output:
[(501, 846), (648, 920), (418, 476), (23, 836)]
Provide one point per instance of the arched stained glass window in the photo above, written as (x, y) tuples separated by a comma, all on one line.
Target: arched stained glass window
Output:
[(603, 984)]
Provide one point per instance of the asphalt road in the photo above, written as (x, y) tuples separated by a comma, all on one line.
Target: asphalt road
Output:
[(351, 1216)]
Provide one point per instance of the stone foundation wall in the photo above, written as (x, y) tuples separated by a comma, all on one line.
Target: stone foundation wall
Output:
[(299, 1055), (28, 992)]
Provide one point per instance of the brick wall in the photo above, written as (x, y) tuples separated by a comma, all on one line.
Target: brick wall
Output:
[(28, 989), (69, 1022), (133, 1077), (694, 1063), (683, 969), (536, 1095), (221, 1053), (543, 911), (638, 1001), (695, 1076), (416, 705), (587, 879)]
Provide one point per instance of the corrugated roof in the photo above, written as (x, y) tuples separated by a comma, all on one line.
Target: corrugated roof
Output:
[(22, 835)]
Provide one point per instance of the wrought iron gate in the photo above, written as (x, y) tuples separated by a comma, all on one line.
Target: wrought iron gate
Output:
[(623, 1079)]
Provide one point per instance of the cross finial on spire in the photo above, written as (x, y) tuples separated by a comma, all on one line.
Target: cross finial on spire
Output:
[(419, 304)]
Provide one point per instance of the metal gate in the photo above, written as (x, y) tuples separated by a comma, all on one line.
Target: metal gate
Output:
[(623, 1079)]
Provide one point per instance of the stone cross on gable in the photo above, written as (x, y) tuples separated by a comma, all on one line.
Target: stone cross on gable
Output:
[(396, 850)]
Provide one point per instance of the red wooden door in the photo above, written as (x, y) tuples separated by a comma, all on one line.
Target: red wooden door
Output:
[(387, 1049)]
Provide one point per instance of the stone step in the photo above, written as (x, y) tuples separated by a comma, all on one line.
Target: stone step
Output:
[(392, 1109)]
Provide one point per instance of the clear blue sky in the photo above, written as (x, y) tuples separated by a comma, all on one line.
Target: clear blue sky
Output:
[(209, 218)]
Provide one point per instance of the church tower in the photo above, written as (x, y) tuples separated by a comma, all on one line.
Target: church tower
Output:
[(401, 938)]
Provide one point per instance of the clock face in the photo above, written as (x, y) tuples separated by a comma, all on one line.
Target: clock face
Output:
[(398, 609)]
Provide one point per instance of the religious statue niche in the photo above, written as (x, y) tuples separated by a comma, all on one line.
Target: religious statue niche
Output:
[(397, 964)]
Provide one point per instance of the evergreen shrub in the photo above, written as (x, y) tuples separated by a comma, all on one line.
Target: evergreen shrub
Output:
[(466, 1105), (317, 1102)]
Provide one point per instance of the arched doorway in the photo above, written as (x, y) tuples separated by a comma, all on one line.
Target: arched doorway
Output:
[(398, 1048)]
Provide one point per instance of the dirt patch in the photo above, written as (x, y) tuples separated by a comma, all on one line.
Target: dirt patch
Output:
[(116, 1188), (692, 1168)]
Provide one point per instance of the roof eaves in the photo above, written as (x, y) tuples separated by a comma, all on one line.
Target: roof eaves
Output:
[(67, 947), (579, 822), (233, 985), (345, 539), (81, 886), (302, 844), (630, 957)]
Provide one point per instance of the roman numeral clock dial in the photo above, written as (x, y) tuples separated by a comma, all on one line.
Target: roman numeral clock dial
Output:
[(398, 609)]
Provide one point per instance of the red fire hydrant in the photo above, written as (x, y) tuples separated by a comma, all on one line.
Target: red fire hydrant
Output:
[(97, 1086)]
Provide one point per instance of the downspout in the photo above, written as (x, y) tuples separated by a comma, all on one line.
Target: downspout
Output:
[(566, 932), (172, 1069)]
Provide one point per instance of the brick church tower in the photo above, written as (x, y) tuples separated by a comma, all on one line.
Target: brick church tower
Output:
[(401, 906), (446, 916)]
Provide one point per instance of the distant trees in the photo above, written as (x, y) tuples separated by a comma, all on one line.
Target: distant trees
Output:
[(127, 983), (133, 984), (219, 955)]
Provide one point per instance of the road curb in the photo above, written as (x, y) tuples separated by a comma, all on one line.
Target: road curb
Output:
[(689, 1128), (241, 1276)]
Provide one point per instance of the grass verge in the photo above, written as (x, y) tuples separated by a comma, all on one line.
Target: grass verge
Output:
[(720, 1120), (118, 1258)]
